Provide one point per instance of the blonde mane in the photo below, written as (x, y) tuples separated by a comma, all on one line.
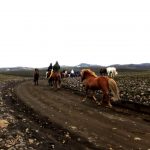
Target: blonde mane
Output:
[(90, 71)]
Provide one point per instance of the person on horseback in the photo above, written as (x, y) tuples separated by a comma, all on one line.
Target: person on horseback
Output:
[(49, 74), (50, 67), (56, 75), (56, 67)]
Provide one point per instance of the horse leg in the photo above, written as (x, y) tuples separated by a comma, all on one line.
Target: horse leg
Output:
[(110, 74), (55, 84), (107, 73), (59, 82), (86, 93), (106, 99), (49, 82), (94, 98), (113, 74)]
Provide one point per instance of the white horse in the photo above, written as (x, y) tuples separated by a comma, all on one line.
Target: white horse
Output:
[(72, 73), (111, 71), (46, 74)]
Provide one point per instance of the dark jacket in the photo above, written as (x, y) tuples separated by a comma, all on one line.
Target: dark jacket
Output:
[(50, 67), (56, 67)]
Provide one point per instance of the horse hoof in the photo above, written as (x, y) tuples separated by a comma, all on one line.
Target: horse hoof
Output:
[(106, 105), (109, 106), (98, 103), (83, 100)]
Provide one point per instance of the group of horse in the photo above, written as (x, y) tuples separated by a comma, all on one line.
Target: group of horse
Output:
[(72, 73), (54, 78), (90, 82), (109, 71)]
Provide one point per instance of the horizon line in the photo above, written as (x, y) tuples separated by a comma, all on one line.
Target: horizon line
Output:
[(76, 65)]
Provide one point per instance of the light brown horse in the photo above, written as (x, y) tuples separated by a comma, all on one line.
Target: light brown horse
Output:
[(92, 82), (54, 79)]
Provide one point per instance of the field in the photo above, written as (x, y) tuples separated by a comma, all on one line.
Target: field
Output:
[(41, 118)]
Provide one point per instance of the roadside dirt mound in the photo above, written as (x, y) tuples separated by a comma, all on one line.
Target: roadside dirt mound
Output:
[(85, 125)]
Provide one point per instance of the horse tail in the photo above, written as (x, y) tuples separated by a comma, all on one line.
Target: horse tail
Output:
[(114, 89)]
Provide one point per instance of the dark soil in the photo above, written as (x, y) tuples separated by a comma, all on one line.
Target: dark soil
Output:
[(46, 118)]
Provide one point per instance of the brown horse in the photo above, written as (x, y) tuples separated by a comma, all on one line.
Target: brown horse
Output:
[(92, 82), (36, 76), (54, 78)]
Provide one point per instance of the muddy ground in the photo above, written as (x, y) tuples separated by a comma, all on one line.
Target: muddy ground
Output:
[(50, 119)]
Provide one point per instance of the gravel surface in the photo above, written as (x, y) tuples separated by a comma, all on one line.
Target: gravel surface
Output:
[(18, 132)]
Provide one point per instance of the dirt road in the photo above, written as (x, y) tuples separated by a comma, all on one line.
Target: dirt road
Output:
[(86, 125)]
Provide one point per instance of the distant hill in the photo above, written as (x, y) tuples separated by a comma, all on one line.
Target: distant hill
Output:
[(82, 65), (125, 66), (133, 66), (15, 69)]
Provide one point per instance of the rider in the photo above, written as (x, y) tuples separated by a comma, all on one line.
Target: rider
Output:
[(56, 71), (50, 67), (56, 67)]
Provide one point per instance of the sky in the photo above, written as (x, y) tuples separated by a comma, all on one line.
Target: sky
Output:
[(35, 33)]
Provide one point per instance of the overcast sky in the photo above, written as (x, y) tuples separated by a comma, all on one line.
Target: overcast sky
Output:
[(34, 33)]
